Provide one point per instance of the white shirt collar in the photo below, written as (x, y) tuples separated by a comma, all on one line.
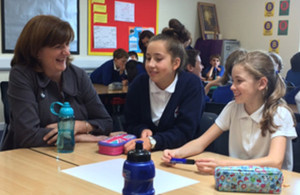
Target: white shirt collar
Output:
[(170, 89), (256, 116)]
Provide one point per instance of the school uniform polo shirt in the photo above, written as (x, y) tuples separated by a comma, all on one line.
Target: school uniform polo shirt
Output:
[(245, 138), (160, 98)]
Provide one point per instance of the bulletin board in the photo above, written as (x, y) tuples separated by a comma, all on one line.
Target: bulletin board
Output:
[(116, 24)]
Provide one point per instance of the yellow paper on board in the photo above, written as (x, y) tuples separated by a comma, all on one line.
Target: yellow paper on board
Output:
[(98, 1), (100, 8), (100, 18)]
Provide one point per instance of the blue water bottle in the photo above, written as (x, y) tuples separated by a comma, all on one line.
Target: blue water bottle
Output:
[(138, 172), (65, 140)]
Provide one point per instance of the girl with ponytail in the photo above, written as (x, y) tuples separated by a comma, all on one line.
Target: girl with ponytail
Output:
[(260, 124)]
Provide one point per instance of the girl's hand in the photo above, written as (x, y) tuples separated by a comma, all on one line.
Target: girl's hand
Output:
[(131, 144), (167, 155), (51, 136), (207, 166), (146, 133)]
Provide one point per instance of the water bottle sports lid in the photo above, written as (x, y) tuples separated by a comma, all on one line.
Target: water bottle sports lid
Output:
[(65, 110), (138, 154)]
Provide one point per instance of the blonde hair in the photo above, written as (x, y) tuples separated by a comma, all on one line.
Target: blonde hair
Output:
[(259, 64)]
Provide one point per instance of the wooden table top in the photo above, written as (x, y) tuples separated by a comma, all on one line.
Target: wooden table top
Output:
[(86, 153), (103, 89), (24, 171)]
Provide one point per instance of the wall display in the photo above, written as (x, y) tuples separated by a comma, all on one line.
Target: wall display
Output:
[(268, 28), (284, 8), (16, 13), (269, 9), (274, 46), (117, 24), (283, 27), (208, 20)]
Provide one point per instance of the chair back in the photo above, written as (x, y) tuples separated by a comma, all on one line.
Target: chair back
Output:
[(214, 107), (296, 146), (222, 94), (4, 98)]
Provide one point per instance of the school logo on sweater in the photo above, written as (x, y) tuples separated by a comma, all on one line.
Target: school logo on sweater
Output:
[(176, 112)]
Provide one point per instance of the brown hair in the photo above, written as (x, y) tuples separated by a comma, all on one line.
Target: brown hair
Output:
[(120, 53), (259, 64), (230, 61), (173, 44), (40, 31)]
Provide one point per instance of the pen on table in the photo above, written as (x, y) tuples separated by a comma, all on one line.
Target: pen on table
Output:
[(182, 161)]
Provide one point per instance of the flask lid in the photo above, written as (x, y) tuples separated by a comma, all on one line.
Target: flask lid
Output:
[(138, 154), (65, 110)]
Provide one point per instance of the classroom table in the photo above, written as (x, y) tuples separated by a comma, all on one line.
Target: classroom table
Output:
[(103, 90), (24, 171), (86, 153)]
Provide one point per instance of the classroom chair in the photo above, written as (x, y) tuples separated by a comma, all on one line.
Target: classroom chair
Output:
[(4, 98), (214, 107), (222, 94), (296, 146)]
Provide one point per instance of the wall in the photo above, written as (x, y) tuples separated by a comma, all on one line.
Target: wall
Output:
[(244, 19), (167, 9)]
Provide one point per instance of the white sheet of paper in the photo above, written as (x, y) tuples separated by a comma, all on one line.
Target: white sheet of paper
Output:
[(108, 174)]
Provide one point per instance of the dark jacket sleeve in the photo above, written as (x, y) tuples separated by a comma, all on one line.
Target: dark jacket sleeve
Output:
[(137, 106), (97, 113), (103, 74)]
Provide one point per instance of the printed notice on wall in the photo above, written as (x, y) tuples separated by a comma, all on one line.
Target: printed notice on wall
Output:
[(105, 37), (283, 27), (269, 9), (124, 12), (268, 28), (284, 8), (274, 46)]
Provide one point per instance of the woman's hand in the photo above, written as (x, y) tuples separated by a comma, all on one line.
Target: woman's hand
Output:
[(207, 166), (51, 136)]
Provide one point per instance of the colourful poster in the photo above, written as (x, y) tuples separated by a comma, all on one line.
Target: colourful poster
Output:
[(284, 8), (269, 9), (268, 28), (134, 33), (283, 27), (274, 46)]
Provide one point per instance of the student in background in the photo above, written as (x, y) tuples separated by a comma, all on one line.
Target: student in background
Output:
[(215, 70), (133, 55), (226, 78), (42, 73), (134, 68), (194, 65), (293, 75), (112, 70), (163, 108), (144, 38), (261, 125)]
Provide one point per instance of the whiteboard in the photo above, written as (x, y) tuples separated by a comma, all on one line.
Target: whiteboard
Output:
[(16, 13)]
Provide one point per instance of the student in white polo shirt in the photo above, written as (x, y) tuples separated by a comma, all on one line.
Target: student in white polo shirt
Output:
[(261, 125)]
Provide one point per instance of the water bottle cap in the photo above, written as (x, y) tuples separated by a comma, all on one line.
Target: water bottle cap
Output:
[(65, 110), (138, 154)]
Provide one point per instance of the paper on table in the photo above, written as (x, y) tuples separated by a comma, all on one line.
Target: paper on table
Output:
[(108, 174)]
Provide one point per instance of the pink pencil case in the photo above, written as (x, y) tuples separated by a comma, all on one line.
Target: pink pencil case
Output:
[(114, 145)]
